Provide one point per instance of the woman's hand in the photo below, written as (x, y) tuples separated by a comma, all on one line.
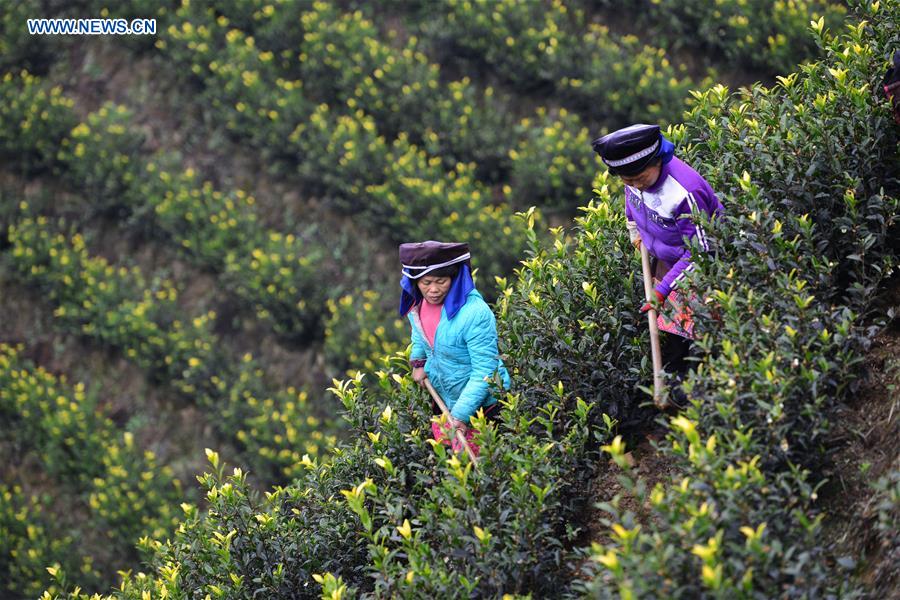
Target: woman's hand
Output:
[(418, 375), (636, 242), (660, 299), (456, 425)]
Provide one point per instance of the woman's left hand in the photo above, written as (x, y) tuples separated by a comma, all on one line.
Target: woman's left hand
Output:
[(457, 425), (418, 375)]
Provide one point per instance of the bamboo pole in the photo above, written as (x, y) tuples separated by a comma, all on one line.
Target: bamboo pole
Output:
[(459, 434), (655, 352)]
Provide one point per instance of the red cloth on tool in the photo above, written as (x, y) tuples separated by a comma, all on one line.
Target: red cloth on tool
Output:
[(439, 435), (679, 320)]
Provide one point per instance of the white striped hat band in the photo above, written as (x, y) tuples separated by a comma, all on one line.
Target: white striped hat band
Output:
[(634, 157), (431, 268)]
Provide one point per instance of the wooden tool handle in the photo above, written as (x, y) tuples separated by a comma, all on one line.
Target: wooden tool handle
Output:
[(459, 434), (655, 352)]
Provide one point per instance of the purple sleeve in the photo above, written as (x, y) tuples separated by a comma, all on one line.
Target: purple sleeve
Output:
[(628, 214), (696, 204)]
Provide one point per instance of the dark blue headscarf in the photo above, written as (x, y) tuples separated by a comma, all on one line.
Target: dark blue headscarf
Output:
[(666, 149)]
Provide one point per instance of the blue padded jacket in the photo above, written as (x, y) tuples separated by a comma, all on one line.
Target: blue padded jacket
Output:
[(464, 358)]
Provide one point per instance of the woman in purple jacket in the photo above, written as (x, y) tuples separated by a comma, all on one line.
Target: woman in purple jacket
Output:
[(666, 204)]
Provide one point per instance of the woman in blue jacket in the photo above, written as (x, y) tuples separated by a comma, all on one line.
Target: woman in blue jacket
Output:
[(454, 332)]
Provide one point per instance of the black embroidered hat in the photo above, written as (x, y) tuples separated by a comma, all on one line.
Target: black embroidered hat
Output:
[(628, 151), (420, 258)]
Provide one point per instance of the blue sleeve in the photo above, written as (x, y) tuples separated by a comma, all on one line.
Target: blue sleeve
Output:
[(418, 343), (481, 342)]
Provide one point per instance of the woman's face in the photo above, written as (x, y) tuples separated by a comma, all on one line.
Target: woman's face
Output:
[(434, 289), (644, 179)]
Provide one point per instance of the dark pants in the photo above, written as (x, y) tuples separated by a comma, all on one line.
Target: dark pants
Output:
[(674, 350)]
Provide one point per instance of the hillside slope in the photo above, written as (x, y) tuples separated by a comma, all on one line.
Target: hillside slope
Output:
[(808, 171), (199, 232)]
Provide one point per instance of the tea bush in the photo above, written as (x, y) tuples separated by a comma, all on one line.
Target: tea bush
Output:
[(271, 271), (739, 520), (756, 34), (340, 155), (566, 318), (536, 47), (507, 525), (460, 124), (786, 344), (886, 509), (392, 515), (351, 341), (102, 157), (355, 155), (549, 165), (819, 146), (117, 305), (35, 121), (119, 308), (422, 199), (466, 124), (342, 60), (355, 150), (389, 507), (249, 98), (275, 26), (19, 49), (29, 545), (114, 493)]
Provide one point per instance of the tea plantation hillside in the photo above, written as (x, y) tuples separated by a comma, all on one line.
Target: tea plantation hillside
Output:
[(204, 387)]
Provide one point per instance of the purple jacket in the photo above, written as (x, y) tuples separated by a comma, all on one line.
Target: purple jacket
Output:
[(662, 215)]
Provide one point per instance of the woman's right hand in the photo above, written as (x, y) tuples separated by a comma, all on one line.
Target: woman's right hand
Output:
[(636, 242), (418, 375)]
